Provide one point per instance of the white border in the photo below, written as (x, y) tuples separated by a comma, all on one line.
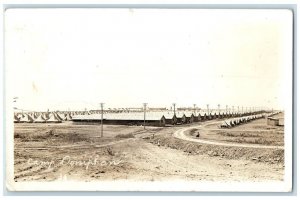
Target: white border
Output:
[(154, 186)]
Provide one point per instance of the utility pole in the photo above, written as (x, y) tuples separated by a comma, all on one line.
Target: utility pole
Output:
[(101, 104), (219, 108), (226, 109), (207, 105), (232, 109), (194, 109), (145, 105), (174, 104)]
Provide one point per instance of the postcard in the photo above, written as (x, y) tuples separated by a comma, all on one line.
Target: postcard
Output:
[(148, 99)]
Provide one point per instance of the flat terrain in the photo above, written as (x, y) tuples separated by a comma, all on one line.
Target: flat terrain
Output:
[(256, 132), (47, 152)]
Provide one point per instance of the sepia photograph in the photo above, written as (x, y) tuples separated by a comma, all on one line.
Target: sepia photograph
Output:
[(137, 99)]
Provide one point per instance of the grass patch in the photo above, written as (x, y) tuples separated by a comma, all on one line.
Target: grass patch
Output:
[(236, 134), (128, 135), (51, 136)]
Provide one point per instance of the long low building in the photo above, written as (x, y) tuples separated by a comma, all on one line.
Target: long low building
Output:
[(152, 119)]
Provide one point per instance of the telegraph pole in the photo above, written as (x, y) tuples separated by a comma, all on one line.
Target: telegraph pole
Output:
[(219, 109), (207, 105), (145, 105), (194, 109), (101, 104), (174, 104), (226, 109)]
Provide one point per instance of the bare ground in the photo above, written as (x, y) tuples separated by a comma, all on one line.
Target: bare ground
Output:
[(47, 152)]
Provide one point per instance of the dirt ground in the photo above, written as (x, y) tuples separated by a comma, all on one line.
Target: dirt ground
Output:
[(49, 152), (256, 132)]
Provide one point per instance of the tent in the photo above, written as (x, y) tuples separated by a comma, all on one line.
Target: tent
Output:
[(68, 117), (16, 119), (53, 119), (35, 115), (181, 118), (40, 119), (26, 119), (60, 117), (190, 117), (170, 118), (45, 116), (225, 124)]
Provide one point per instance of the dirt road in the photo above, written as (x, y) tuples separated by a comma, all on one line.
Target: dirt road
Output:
[(181, 134)]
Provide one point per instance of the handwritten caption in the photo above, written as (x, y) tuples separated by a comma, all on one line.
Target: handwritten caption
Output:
[(69, 161)]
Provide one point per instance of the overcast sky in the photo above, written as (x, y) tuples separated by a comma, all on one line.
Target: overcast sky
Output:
[(77, 58)]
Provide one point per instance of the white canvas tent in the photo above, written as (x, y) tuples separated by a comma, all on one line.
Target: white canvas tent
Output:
[(53, 119), (26, 119), (16, 119), (59, 117), (46, 115), (40, 119), (68, 117)]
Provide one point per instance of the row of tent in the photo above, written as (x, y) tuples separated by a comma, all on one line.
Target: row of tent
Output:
[(230, 123), (52, 117), (152, 118), (273, 113)]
